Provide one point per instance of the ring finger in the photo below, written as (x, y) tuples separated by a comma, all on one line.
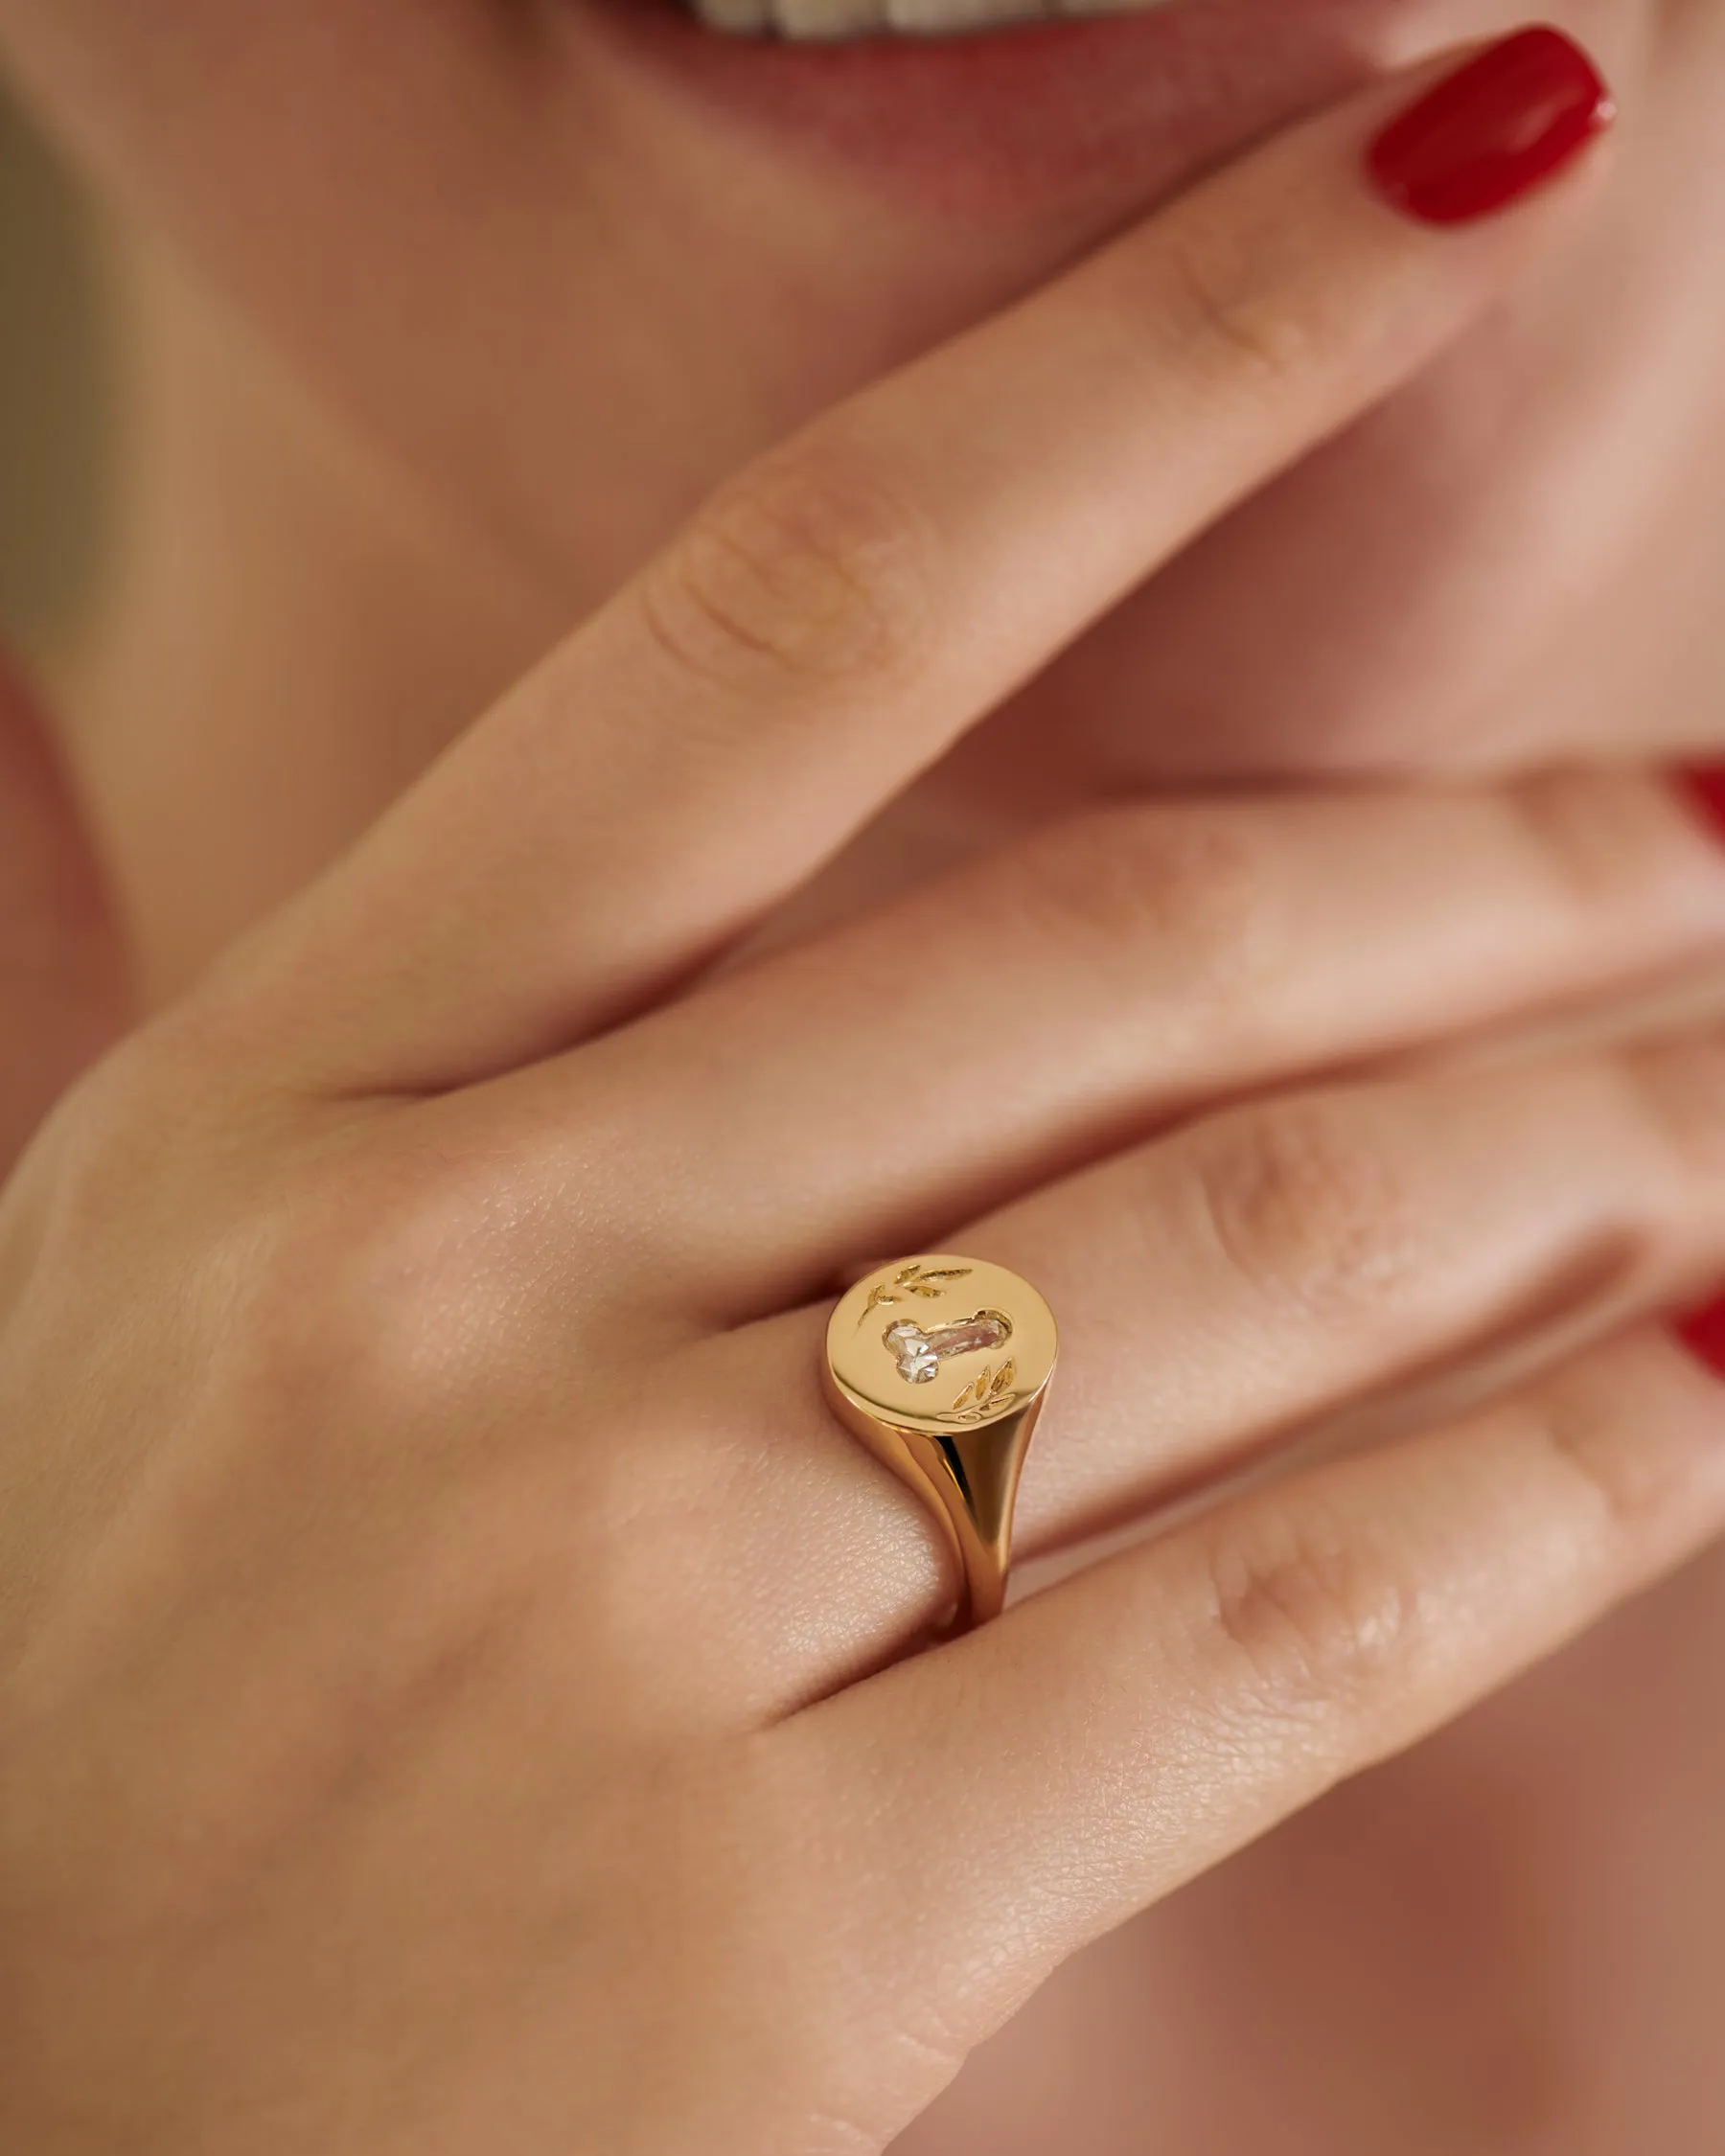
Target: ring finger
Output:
[(1217, 1289)]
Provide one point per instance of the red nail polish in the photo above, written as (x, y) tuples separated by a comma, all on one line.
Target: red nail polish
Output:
[(1706, 785), (1513, 118), (1704, 1332)]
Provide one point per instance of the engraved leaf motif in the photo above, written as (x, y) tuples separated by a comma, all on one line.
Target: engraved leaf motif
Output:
[(987, 1394), (932, 1284), (929, 1283)]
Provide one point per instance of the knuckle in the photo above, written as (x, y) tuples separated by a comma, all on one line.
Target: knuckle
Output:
[(807, 569), (1191, 892), (1676, 1096), (1318, 1616), (1222, 305), (1602, 838), (92, 1153), (1306, 1206), (375, 1295), (128, 1142), (429, 1273), (1606, 1442)]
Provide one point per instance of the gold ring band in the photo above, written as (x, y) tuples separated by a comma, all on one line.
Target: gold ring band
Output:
[(941, 1364)]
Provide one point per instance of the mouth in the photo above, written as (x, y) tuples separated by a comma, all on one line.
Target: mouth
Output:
[(996, 109)]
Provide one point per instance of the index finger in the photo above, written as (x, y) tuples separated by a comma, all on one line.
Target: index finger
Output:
[(837, 616)]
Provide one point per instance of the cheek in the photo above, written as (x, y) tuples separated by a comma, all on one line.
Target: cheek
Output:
[(351, 178), (253, 122)]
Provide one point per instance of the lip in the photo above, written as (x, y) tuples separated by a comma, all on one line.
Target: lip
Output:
[(1056, 117)]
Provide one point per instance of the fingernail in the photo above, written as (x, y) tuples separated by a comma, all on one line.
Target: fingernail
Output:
[(1703, 1332), (1509, 120), (1706, 787)]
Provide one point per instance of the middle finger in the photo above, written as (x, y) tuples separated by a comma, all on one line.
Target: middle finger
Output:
[(857, 1097)]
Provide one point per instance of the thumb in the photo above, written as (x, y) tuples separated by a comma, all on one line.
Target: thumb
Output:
[(63, 974)]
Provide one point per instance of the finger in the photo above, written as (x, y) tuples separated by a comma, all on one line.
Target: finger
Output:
[(1269, 1266), (61, 974), (1219, 1294), (1025, 1016), (980, 1813), (837, 616)]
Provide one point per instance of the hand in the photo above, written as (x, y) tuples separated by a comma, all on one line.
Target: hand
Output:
[(454, 1679)]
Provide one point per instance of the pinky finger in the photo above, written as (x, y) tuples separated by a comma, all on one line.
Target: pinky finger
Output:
[(1016, 1794)]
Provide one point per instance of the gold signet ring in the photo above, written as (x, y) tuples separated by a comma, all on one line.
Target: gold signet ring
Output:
[(941, 1364)]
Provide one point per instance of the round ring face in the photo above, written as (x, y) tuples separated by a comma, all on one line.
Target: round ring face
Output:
[(941, 1344)]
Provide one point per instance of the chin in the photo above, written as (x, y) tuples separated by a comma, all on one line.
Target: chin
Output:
[(571, 262)]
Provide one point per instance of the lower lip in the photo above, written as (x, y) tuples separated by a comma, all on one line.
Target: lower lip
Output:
[(1056, 117)]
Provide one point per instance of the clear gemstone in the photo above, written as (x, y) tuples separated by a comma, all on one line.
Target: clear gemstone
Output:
[(920, 1354)]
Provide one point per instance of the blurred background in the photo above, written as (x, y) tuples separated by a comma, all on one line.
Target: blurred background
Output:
[(56, 409)]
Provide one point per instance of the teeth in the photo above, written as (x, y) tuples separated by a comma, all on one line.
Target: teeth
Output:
[(924, 18), (740, 18), (826, 18), (812, 21)]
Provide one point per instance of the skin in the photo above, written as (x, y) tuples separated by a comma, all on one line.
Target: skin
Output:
[(414, 548), (358, 1102)]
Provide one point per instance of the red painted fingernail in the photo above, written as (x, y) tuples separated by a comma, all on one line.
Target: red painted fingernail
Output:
[(1704, 1331), (1706, 786), (1511, 119)]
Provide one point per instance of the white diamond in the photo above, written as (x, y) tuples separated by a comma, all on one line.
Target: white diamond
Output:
[(920, 1354)]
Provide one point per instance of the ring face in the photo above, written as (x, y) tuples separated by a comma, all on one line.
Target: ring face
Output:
[(941, 1364), (942, 1343)]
